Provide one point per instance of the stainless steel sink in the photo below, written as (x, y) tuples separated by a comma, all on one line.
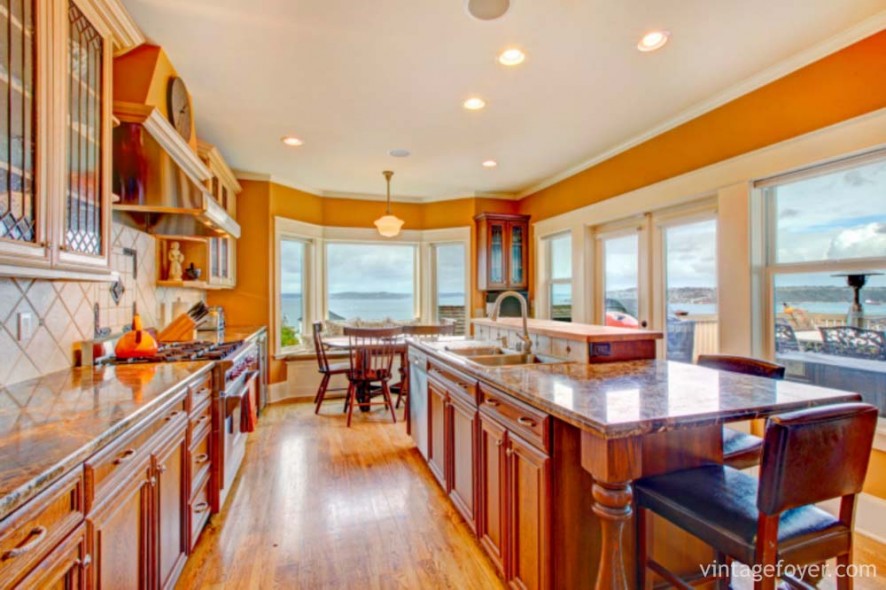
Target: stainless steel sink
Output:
[(507, 359), (480, 351)]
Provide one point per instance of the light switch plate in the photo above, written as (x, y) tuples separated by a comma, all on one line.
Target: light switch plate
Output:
[(25, 325)]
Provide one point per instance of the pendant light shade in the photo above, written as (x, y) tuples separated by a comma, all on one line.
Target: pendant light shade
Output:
[(388, 225)]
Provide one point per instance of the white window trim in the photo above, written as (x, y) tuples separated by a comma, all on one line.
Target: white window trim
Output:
[(544, 300), (434, 239), (638, 225), (318, 236)]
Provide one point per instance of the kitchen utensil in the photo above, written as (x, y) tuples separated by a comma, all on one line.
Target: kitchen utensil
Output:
[(137, 343)]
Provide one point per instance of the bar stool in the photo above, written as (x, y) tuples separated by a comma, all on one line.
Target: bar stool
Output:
[(326, 369), (740, 449), (809, 456)]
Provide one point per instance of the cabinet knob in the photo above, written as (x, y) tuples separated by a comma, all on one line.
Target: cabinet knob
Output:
[(161, 468), (509, 451), (499, 442), (152, 481)]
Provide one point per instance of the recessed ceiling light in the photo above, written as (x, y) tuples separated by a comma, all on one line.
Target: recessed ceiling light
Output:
[(653, 40), (399, 153), (490, 164), (291, 141), (511, 57), (475, 103)]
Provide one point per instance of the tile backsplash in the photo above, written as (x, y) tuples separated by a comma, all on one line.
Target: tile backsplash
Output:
[(63, 311)]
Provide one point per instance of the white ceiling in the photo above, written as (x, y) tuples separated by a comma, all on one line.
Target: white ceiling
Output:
[(356, 78)]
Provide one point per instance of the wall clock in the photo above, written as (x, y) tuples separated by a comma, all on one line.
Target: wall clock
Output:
[(179, 104)]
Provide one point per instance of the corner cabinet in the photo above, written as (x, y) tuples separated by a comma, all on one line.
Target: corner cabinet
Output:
[(224, 188), (55, 129), (502, 251)]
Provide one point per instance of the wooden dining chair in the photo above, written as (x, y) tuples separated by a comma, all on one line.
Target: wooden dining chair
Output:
[(740, 449), (809, 456), (427, 332), (327, 369), (371, 352)]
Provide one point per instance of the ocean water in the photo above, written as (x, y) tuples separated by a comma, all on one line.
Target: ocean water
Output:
[(366, 308)]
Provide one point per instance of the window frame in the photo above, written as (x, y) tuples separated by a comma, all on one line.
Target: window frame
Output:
[(549, 279), (433, 295)]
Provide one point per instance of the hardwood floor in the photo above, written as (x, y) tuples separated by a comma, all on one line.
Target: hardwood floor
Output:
[(319, 505)]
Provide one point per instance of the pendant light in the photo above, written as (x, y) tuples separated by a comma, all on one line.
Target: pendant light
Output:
[(388, 225)]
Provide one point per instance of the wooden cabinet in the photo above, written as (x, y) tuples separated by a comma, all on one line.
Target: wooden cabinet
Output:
[(502, 252), (65, 568), (55, 191), (437, 409), (224, 188), (170, 507), (462, 439), (515, 494), (213, 257)]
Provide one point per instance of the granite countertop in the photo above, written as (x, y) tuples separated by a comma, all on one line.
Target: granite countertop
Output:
[(51, 424), (571, 331), (232, 334), (639, 397)]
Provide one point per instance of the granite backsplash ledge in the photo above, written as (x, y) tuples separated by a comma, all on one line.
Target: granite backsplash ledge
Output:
[(63, 311)]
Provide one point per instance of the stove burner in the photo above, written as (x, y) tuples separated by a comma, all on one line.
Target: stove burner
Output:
[(186, 351)]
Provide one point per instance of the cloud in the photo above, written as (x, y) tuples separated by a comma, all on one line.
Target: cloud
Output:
[(860, 242)]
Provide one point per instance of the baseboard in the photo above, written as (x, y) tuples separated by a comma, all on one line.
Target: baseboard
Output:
[(870, 516)]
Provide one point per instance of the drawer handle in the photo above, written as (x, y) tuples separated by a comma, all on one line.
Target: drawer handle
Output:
[(202, 419), (201, 458), (201, 507), (524, 421), (124, 457), (492, 403), (173, 415), (38, 533)]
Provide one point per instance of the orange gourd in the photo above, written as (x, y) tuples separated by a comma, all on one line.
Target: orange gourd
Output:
[(137, 343)]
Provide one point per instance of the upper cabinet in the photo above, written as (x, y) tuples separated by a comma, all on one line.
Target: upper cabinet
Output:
[(502, 251), (55, 130)]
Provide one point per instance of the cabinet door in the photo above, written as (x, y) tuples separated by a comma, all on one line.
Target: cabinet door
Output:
[(120, 531), (497, 256), (171, 507), (491, 481), (528, 515), (517, 259), (66, 566), (23, 224), (437, 410), (85, 209), (463, 443)]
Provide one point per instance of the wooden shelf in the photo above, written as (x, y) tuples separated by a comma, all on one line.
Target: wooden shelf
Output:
[(187, 285)]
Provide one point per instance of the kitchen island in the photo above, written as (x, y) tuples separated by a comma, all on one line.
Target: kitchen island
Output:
[(540, 458)]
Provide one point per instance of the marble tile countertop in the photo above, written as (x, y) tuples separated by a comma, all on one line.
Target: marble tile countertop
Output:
[(571, 331), (50, 424), (639, 397)]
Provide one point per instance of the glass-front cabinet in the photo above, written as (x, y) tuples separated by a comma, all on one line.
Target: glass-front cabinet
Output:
[(224, 188), (55, 121), (502, 252)]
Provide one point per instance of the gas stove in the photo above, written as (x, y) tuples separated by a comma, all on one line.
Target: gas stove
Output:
[(198, 350)]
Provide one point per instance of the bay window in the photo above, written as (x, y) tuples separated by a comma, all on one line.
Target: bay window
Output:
[(450, 284), (292, 299), (559, 267)]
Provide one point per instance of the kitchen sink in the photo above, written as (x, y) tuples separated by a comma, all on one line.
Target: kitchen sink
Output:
[(481, 351), (507, 359)]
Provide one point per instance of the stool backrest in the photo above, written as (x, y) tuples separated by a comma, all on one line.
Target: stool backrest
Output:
[(372, 352), (815, 455), (741, 364), (429, 331), (320, 348)]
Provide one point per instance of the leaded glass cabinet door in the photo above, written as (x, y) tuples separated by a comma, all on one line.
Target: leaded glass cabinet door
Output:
[(517, 253), (85, 219), (22, 213)]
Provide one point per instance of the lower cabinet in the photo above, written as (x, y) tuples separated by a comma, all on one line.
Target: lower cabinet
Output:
[(437, 433), (170, 507), (528, 524), (65, 567), (492, 470)]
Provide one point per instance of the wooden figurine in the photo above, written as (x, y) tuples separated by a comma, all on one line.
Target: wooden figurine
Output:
[(176, 260)]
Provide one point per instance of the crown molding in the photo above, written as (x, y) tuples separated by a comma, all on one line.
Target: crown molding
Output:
[(217, 163), (117, 20), (862, 30)]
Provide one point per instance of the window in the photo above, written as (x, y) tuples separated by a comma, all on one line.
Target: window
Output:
[(449, 282), (826, 255), (374, 282), (690, 276), (560, 277), (293, 302), (621, 279)]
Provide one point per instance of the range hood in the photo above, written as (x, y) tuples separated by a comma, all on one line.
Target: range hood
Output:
[(158, 179)]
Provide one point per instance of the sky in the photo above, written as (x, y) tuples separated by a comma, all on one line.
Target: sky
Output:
[(374, 267)]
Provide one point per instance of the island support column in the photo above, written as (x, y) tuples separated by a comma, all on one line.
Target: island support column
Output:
[(614, 464)]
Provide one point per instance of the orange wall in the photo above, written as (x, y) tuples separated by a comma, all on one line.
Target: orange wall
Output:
[(846, 84)]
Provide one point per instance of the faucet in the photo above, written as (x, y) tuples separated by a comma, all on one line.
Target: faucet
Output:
[(524, 311)]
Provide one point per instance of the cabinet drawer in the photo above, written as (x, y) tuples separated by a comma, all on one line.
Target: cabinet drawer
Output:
[(106, 469), (531, 424), (454, 382), (199, 511), (201, 392), (29, 533), (201, 460), (201, 419)]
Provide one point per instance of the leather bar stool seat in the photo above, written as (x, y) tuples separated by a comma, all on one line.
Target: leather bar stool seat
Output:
[(718, 504)]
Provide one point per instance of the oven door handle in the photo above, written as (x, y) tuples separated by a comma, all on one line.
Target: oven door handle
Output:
[(233, 401)]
